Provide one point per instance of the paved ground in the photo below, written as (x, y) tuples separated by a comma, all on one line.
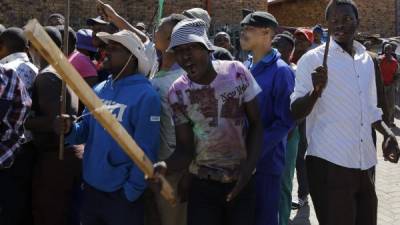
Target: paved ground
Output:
[(388, 190)]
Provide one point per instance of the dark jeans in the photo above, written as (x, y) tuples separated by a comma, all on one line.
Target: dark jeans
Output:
[(15, 189), (301, 171), (208, 206), (110, 208), (341, 195)]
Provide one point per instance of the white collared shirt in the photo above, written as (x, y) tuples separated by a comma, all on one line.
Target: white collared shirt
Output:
[(339, 126), (25, 70)]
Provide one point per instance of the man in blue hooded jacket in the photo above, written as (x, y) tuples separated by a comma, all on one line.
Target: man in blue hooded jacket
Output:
[(277, 82), (113, 183)]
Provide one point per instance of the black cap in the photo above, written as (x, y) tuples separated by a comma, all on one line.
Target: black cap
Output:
[(286, 35), (54, 34), (318, 27), (246, 12), (260, 19), (97, 20)]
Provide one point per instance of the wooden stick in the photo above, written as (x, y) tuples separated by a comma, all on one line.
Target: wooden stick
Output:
[(327, 45), (328, 42), (326, 53), (63, 97), (46, 47)]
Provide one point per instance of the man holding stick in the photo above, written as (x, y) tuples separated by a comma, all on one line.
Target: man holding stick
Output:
[(339, 102), (113, 183), (53, 180)]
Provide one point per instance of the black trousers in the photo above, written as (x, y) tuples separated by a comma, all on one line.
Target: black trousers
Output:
[(110, 208), (207, 204), (15, 189), (342, 196)]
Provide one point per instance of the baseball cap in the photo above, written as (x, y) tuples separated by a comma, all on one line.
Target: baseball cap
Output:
[(198, 13), (141, 25), (286, 36), (306, 32), (96, 20), (260, 19), (58, 15), (224, 34), (133, 43), (190, 31), (84, 40), (318, 28)]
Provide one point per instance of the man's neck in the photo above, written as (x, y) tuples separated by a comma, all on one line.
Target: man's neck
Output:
[(298, 54), (347, 47), (209, 76), (388, 57), (260, 53), (123, 74), (168, 60)]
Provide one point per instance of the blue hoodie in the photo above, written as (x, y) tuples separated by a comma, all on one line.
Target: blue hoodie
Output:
[(136, 105), (276, 80)]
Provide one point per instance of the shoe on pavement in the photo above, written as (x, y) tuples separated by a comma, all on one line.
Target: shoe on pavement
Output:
[(300, 203)]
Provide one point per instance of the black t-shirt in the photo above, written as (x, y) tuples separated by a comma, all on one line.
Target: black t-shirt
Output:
[(46, 103)]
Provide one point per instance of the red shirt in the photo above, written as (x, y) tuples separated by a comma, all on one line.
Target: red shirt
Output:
[(388, 69)]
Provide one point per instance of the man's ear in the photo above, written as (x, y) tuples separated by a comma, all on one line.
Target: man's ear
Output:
[(358, 23)]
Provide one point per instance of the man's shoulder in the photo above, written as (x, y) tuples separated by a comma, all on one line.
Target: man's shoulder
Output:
[(283, 68), (182, 83), (7, 74), (227, 67)]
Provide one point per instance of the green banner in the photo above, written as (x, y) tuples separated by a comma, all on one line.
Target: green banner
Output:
[(160, 10)]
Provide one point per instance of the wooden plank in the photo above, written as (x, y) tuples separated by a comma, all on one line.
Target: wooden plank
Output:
[(46, 47)]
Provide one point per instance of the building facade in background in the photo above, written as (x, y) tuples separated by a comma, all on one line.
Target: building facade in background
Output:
[(224, 12), (377, 16)]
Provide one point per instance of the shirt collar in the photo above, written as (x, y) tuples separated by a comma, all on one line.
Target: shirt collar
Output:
[(174, 67), (15, 56), (357, 46), (266, 60)]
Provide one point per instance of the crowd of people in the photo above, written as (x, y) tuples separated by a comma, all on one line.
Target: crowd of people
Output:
[(227, 134)]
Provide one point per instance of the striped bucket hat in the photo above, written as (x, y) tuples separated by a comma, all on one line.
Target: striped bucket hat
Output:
[(190, 31)]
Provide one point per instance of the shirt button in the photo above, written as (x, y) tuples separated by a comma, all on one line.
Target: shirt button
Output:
[(362, 140), (362, 124)]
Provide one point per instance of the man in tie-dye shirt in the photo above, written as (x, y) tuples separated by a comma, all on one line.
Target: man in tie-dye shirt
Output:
[(218, 130)]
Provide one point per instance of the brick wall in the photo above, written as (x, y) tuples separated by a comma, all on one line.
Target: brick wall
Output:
[(14, 12), (377, 17)]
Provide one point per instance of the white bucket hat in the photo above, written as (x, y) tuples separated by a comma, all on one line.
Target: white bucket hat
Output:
[(198, 13), (133, 43), (190, 31)]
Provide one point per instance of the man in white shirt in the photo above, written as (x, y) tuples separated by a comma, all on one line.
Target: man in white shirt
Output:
[(340, 105)]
